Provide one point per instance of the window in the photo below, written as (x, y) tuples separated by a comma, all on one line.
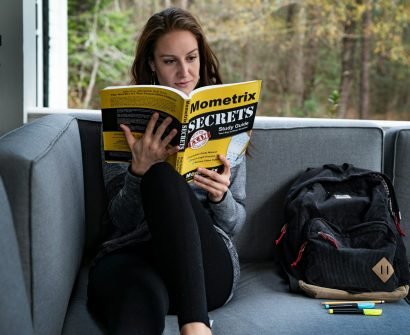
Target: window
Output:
[(316, 58), (52, 53)]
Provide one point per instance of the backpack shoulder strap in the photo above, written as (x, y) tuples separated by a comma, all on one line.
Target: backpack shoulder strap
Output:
[(393, 203)]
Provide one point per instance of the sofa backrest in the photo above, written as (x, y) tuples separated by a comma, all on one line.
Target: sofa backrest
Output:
[(41, 166), (282, 148), (15, 315), (95, 196)]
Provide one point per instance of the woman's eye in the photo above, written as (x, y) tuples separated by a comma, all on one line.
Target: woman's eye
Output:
[(192, 58), (168, 61)]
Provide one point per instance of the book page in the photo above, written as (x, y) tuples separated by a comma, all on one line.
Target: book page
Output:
[(134, 106)]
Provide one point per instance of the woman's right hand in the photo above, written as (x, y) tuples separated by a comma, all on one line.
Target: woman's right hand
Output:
[(150, 148)]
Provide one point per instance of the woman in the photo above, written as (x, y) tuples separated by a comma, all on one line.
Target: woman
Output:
[(171, 250)]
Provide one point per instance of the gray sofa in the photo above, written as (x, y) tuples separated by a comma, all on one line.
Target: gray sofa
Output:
[(52, 200)]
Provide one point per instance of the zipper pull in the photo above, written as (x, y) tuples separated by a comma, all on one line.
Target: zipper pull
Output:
[(300, 253), (397, 219), (330, 238), (282, 233)]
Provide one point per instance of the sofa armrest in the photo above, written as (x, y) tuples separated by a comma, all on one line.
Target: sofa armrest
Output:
[(41, 165), (14, 308)]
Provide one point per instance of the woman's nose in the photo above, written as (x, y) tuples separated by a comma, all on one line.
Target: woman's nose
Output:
[(183, 68)]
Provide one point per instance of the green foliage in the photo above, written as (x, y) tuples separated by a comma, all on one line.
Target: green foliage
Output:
[(100, 42), (310, 108), (333, 100)]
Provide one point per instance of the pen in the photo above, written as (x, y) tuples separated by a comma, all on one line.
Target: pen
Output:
[(368, 312), (351, 302), (359, 305)]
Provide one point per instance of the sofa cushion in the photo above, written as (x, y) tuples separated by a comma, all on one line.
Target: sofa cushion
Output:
[(94, 190), (41, 166), (14, 308), (262, 305), (282, 148), (78, 319)]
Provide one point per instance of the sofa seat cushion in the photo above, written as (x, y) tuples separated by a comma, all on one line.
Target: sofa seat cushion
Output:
[(262, 305)]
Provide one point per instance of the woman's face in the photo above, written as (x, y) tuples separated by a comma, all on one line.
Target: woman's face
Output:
[(176, 60)]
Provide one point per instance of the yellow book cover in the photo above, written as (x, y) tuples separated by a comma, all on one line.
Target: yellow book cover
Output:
[(212, 120)]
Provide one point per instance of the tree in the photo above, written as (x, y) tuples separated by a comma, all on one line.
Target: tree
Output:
[(101, 47), (347, 60), (365, 63)]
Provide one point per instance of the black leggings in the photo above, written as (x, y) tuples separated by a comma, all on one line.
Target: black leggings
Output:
[(185, 269)]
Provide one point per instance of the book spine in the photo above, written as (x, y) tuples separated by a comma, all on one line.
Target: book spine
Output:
[(186, 111), (179, 162), (183, 137)]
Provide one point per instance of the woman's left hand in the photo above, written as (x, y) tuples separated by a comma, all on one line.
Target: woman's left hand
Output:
[(215, 183)]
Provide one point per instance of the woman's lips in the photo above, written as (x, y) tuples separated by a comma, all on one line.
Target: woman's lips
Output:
[(183, 83)]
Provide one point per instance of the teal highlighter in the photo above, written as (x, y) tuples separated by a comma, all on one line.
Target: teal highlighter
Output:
[(358, 305)]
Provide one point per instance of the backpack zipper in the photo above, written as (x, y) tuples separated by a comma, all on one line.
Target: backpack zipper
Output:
[(302, 248)]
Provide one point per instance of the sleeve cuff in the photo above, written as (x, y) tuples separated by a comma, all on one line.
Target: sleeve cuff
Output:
[(217, 202), (132, 176)]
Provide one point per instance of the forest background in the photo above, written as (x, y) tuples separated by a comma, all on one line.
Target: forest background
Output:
[(316, 58)]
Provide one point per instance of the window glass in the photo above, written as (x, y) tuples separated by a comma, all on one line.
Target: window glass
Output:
[(316, 58)]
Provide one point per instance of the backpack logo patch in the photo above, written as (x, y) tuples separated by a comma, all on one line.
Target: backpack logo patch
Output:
[(383, 269), (342, 196)]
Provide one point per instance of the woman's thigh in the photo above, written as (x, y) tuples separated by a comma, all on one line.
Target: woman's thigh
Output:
[(184, 236)]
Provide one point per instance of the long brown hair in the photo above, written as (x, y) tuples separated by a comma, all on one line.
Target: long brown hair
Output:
[(162, 23)]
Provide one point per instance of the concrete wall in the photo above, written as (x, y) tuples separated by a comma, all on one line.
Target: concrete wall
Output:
[(18, 67), (11, 65)]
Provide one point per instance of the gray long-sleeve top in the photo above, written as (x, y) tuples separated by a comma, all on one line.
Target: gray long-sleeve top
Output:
[(127, 215)]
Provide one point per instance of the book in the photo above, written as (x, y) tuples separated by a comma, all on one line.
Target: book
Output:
[(212, 120)]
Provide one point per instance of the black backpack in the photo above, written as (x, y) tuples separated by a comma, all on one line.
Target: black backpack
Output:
[(343, 232)]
